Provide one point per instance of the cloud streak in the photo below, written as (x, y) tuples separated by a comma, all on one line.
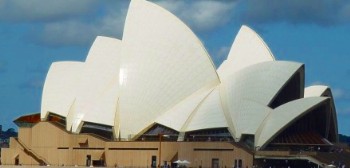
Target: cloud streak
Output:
[(32, 84), (205, 15), (319, 12), (76, 23), (77, 31), (65, 22), (220, 55), (38, 10), (339, 93), (200, 15)]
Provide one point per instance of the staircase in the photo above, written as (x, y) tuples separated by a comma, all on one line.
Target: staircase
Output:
[(30, 152)]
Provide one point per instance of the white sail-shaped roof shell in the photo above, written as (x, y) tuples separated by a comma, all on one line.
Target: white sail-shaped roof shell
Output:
[(251, 83), (163, 62), (160, 73), (60, 88), (177, 116), (247, 93), (97, 93), (247, 49), (283, 116), (313, 91), (324, 91), (209, 114)]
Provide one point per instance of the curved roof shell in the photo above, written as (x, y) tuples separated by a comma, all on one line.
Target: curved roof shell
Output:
[(325, 91), (209, 114), (177, 116), (160, 73), (316, 90), (97, 93), (60, 88), (247, 93), (283, 116), (247, 49), (163, 62)]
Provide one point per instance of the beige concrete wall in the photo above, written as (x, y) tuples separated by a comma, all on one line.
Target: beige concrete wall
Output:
[(213, 150), (138, 153), (46, 139), (25, 135), (59, 147), (8, 155), (45, 131)]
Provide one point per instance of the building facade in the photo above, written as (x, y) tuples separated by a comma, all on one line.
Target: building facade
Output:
[(156, 96), (47, 143)]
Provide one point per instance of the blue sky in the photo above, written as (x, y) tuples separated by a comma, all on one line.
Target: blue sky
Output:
[(35, 33)]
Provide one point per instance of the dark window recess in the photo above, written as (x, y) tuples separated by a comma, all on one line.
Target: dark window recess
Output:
[(98, 163), (89, 148), (57, 119), (240, 163), (248, 140), (100, 130), (211, 149), (88, 160), (309, 129), (291, 91), (153, 134), (132, 148), (154, 162), (218, 134), (63, 148), (215, 163)]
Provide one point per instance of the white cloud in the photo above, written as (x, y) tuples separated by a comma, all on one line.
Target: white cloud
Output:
[(223, 52), (345, 13), (48, 10), (317, 83), (202, 15), (71, 22), (220, 55), (66, 32), (338, 93), (65, 22), (33, 83), (81, 31), (320, 12), (113, 24)]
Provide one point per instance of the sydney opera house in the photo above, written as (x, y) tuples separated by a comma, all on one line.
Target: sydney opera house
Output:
[(156, 98)]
